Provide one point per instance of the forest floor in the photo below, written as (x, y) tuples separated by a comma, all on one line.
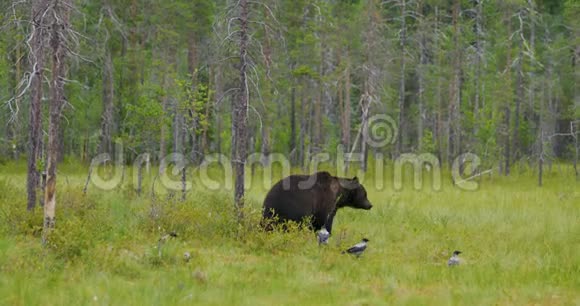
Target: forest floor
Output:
[(520, 244)]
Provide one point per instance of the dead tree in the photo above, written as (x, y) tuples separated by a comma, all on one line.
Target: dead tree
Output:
[(573, 134), (479, 63), (240, 112), (105, 145), (57, 37), (37, 46), (454, 145), (372, 71), (402, 95)]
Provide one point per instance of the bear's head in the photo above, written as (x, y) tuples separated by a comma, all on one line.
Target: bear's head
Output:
[(353, 194)]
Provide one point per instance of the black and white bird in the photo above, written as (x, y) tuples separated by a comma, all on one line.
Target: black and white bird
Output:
[(167, 236), (358, 248), (323, 235), (164, 239), (454, 260)]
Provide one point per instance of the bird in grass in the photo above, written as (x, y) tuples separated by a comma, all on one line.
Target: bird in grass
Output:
[(323, 235), (163, 239), (454, 260), (186, 256), (358, 248), (167, 236)]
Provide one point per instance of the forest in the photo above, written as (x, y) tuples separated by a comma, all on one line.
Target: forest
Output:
[(254, 81)]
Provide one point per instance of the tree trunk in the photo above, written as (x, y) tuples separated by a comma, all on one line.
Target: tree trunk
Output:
[(317, 139), (105, 145), (293, 124), (207, 115), (532, 79), (507, 114), (239, 145), (218, 100), (507, 109), (370, 72), (58, 30), (575, 124), (177, 122), (347, 106), (341, 106), (13, 126), (178, 140), (139, 178), (403, 43), (478, 62), (455, 88), (541, 160), (519, 94), (303, 131), (184, 170), (39, 24), (194, 117), (574, 134), (60, 152), (439, 118), (420, 97), (163, 131), (365, 108), (267, 94)]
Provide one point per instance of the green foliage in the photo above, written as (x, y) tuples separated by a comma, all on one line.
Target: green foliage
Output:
[(197, 102), (161, 50), (428, 142), (106, 248), (67, 241), (146, 116), (304, 71)]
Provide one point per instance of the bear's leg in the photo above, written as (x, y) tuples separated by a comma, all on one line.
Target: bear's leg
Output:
[(317, 222), (329, 220)]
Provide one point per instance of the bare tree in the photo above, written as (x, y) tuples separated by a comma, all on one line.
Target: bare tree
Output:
[(292, 143), (454, 144), (371, 71), (240, 112), (105, 145), (438, 126), (192, 62), (37, 47), (519, 94), (164, 107), (108, 82), (507, 106), (479, 59), (422, 41), (402, 95), (347, 106), (57, 35), (267, 89), (532, 57)]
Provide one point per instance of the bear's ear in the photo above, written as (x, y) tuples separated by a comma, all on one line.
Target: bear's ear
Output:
[(355, 179)]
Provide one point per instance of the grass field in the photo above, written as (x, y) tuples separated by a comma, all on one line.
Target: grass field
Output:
[(521, 246)]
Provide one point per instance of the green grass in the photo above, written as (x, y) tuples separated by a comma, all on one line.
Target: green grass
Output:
[(521, 246)]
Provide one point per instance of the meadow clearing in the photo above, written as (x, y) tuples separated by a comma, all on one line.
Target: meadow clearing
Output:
[(520, 244)]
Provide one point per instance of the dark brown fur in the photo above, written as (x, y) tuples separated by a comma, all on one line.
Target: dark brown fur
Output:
[(317, 196)]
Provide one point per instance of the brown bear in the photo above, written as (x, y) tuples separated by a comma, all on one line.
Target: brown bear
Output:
[(317, 196)]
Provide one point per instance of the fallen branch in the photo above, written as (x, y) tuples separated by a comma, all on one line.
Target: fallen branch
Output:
[(474, 176)]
